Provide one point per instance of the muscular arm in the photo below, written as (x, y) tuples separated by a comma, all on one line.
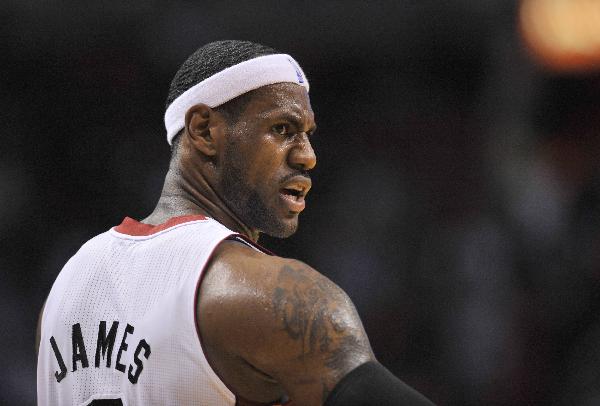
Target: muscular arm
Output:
[(272, 325)]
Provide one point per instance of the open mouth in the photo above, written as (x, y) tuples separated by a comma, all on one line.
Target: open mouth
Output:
[(292, 193), (293, 197)]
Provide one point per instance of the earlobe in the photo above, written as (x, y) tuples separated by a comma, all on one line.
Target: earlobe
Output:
[(198, 127)]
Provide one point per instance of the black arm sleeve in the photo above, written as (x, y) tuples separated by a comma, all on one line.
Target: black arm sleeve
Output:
[(373, 384)]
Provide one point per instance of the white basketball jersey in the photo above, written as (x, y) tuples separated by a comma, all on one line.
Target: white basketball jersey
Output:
[(119, 325)]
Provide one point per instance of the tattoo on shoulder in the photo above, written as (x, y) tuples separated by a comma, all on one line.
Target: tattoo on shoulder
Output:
[(312, 314), (301, 306)]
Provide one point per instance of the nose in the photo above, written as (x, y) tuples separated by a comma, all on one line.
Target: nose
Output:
[(302, 156)]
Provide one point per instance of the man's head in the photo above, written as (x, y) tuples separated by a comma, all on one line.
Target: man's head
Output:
[(253, 151)]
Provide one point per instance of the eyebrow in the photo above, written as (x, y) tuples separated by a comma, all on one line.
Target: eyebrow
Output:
[(294, 119)]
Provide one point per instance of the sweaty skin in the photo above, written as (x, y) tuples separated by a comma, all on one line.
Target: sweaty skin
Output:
[(271, 327)]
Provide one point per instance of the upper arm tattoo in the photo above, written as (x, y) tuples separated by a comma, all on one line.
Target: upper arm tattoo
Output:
[(316, 314)]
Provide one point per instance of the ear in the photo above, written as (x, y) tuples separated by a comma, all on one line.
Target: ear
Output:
[(203, 127)]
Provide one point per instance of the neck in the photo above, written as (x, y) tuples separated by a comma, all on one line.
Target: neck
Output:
[(187, 192)]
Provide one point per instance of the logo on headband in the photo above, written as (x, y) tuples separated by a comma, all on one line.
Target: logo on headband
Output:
[(298, 72)]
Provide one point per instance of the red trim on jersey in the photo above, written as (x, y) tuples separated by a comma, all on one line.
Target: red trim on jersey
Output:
[(248, 241), (134, 228)]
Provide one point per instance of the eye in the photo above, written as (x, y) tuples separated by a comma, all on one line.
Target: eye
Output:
[(281, 129)]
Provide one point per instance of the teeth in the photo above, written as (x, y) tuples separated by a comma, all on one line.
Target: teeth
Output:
[(290, 196)]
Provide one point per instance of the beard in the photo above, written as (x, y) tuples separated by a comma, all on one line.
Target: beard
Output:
[(248, 204)]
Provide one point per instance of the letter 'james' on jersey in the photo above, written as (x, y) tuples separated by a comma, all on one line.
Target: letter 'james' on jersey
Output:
[(104, 348)]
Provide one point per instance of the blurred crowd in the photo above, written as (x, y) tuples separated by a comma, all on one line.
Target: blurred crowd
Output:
[(456, 196)]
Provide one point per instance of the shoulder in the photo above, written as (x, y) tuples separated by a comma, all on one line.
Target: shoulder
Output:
[(282, 317), (275, 286), (242, 264)]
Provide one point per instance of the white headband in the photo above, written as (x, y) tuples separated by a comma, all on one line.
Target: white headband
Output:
[(231, 83)]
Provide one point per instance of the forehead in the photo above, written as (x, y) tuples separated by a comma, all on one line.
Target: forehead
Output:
[(280, 98)]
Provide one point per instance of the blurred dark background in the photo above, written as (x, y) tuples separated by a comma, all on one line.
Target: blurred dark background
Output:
[(456, 198)]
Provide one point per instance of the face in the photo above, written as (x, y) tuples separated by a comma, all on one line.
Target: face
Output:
[(266, 159)]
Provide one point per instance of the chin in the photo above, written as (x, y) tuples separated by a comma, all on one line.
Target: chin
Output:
[(283, 229)]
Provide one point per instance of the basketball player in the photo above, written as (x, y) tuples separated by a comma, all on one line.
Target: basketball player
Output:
[(184, 308)]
